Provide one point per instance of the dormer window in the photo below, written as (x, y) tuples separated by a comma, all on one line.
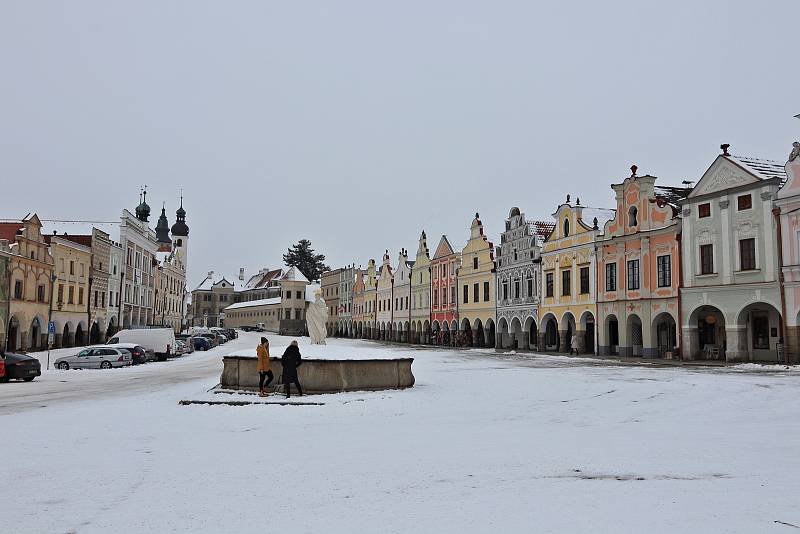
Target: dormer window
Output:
[(566, 227), (632, 212)]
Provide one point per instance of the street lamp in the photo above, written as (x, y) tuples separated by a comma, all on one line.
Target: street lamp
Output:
[(50, 317)]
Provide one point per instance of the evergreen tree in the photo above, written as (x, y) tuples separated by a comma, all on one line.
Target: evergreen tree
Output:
[(302, 256)]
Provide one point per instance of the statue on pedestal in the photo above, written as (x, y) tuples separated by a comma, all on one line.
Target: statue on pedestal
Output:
[(316, 319)]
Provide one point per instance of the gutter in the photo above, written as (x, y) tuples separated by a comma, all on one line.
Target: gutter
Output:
[(776, 212)]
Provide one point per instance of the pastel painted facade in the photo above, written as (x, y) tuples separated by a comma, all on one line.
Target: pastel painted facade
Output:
[(444, 293), (5, 298), (401, 300), (638, 272), (139, 246), (71, 311), (731, 296), (568, 279), (421, 294), (329, 282), (476, 288), (370, 301), (360, 331), (347, 277), (30, 288), (787, 205), (519, 272), (385, 300)]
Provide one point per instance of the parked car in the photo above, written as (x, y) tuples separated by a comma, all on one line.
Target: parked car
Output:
[(231, 333), (182, 347), (20, 366), (100, 357), (159, 341), (2, 367), (139, 353), (261, 327), (212, 338), (248, 328), (201, 343)]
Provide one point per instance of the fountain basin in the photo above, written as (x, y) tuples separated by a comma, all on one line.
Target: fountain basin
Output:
[(323, 376)]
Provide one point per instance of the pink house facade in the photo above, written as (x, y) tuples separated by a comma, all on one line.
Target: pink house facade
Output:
[(787, 209)]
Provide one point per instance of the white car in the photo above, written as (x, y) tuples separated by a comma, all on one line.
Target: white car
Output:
[(158, 341), (100, 357)]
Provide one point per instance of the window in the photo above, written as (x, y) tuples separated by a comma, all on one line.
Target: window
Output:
[(747, 254), (475, 263), (704, 210), (444, 296), (664, 267), (288, 295), (516, 289), (71, 295), (633, 274), (505, 290), (744, 202), (435, 298), (444, 270), (96, 298), (566, 227), (632, 213), (611, 276), (566, 283), (515, 254), (40, 296), (486, 291), (60, 292), (530, 287), (475, 292), (584, 280), (17, 289), (548, 291), (706, 259), (453, 296), (466, 294), (71, 267), (299, 294)]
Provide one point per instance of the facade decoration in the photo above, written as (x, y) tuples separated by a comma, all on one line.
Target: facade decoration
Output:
[(476, 289), (731, 295), (519, 281), (401, 300), (385, 300), (568, 307), (638, 271), (444, 293), (787, 207), (30, 273), (421, 294)]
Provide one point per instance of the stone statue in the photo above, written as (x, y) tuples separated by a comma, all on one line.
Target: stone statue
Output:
[(795, 151), (316, 319)]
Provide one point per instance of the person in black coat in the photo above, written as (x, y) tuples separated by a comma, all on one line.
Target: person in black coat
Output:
[(290, 362)]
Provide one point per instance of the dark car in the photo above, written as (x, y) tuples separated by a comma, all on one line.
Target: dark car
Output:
[(201, 343), (138, 353), (248, 328), (21, 367)]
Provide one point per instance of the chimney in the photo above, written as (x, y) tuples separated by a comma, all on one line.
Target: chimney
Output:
[(241, 274)]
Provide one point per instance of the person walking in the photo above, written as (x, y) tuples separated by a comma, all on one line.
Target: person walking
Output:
[(290, 362), (264, 371), (573, 344)]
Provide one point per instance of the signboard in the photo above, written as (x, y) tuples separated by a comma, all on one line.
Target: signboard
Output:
[(51, 327)]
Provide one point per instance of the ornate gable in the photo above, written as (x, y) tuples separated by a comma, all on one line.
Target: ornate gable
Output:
[(721, 175), (444, 248)]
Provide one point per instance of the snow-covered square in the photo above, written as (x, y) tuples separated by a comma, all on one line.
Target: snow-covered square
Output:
[(483, 442)]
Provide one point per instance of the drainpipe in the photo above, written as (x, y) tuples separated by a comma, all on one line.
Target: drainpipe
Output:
[(776, 212), (679, 326)]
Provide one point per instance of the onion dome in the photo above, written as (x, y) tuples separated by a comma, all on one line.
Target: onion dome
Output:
[(180, 228), (143, 210), (162, 232)]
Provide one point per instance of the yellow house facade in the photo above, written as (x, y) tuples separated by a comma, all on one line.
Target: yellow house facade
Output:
[(71, 301), (370, 300), (568, 311), (476, 283)]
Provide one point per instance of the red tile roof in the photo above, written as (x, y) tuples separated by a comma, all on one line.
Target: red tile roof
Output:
[(8, 230)]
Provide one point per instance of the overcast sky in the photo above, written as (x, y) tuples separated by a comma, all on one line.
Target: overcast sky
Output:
[(358, 124)]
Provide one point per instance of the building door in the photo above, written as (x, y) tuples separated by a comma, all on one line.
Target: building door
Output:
[(588, 339)]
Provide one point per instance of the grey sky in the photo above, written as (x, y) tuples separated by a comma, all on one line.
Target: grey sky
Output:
[(357, 124)]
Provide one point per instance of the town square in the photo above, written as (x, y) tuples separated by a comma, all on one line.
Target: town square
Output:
[(432, 267)]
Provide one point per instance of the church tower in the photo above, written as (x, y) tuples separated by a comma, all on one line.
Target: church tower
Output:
[(180, 236)]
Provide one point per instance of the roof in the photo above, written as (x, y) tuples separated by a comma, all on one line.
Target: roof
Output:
[(762, 168), (8, 230), (294, 275), (672, 195), (542, 228), (254, 303), (262, 278), (81, 228)]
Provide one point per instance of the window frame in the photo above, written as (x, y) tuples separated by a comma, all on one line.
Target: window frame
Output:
[(633, 275), (611, 276), (664, 270)]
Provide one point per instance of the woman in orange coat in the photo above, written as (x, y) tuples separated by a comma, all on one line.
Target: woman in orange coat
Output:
[(264, 371)]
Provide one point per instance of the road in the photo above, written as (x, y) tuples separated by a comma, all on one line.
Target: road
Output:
[(58, 387)]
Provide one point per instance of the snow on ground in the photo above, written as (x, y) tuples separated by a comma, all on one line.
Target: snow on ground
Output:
[(511, 443)]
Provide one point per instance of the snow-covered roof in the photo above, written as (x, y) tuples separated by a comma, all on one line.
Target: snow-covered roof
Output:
[(254, 303), (294, 275), (763, 168), (206, 284)]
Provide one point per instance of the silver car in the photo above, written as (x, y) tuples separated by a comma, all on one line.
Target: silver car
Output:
[(100, 357)]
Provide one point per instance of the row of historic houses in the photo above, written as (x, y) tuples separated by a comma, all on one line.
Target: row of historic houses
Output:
[(704, 272), (89, 280)]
